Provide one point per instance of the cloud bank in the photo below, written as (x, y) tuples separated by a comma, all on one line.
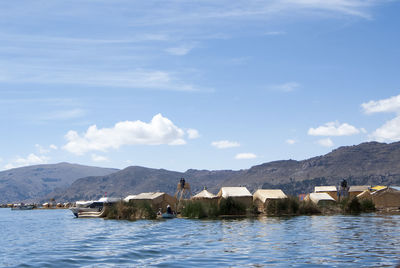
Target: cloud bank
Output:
[(390, 130), (334, 129), (382, 106), (160, 130), (31, 159)]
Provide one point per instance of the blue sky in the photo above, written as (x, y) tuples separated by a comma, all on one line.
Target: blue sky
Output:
[(195, 84)]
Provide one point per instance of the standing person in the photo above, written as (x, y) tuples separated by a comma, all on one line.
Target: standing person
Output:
[(169, 210), (182, 183)]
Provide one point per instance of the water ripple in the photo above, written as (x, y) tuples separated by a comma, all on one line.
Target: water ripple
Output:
[(44, 238)]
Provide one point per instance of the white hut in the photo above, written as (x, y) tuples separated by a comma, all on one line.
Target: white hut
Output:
[(206, 197), (321, 199), (262, 197), (331, 190), (238, 194), (155, 199), (387, 198), (357, 189)]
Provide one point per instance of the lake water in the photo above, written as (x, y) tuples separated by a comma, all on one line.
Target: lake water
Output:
[(54, 238)]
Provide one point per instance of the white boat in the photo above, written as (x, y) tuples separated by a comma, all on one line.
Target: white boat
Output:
[(92, 208)]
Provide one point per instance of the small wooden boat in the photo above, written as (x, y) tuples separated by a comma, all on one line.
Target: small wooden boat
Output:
[(168, 216)]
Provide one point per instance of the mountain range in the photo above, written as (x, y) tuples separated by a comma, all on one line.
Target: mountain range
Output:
[(370, 163), (33, 182)]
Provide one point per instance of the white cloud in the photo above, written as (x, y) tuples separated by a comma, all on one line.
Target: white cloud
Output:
[(160, 130), (99, 158), (334, 129), (180, 50), (31, 159), (325, 142), (193, 134), (137, 78), (42, 150), (291, 141), (382, 106), (53, 147), (285, 87), (389, 132), (245, 156), (64, 115), (224, 144)]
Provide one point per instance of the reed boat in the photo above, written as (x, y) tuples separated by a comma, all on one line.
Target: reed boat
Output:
[(93, 214), (94, 209)]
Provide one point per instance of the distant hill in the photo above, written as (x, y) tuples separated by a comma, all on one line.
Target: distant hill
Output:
[(135, 179), (33, 182), (364, 164), (367, 163)]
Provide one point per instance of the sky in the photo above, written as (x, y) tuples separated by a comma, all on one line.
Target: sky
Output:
[(195, 84)]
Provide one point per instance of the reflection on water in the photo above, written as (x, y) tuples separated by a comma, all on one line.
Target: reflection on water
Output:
[(43, 238)]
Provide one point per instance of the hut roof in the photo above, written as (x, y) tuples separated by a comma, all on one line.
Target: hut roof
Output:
[(359, 188), (378, 187), (364, 194), (81, 203), (389, 189), (204, 195), (129, 197), (147, 196), (109, 199), (264, 194), (316, 197), (319, 189), (226, 192)]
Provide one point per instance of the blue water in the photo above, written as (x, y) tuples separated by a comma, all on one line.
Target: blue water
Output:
[(54, 238)]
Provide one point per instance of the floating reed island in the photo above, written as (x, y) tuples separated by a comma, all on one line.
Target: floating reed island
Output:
[(239, 202)]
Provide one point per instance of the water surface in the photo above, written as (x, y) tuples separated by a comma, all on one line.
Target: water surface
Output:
[(54, 238)]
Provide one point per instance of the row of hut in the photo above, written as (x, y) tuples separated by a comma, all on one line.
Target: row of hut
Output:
[(384, 197), (35, 205), (239, 195)]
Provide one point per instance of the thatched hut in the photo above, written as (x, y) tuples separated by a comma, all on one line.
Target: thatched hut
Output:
[(238, 194), (262, 197), (330, 190), (387, 198), (206, 197), (355, 190), (156, 200), (320, 199)]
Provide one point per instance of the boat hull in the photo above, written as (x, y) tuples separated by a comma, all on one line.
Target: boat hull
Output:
[(79, 210), (168, 216), (92, 214)]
